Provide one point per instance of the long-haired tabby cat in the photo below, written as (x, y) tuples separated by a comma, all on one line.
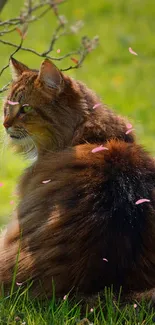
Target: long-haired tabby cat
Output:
[(77, 222)]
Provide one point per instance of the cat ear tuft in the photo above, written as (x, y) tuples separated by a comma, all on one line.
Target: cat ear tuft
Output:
[(17, 68), (50, 75)]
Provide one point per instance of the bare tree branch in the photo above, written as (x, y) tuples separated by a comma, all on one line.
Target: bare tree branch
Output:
[(17, 49), (35, 10)]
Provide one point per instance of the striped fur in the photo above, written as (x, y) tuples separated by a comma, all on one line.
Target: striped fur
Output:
[(82, 227)]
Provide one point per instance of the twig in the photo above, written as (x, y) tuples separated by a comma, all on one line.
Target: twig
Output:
[(20, 23), (5, 88), (29, 7), (40, 54), (9, 22), (4, 68), (7, 65), (7, 31), (53, 40)]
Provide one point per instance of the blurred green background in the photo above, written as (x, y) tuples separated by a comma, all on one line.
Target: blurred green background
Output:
[(124, 81)]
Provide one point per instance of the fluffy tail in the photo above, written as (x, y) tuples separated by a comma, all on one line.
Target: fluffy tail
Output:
[(94, 221), (115, 195)]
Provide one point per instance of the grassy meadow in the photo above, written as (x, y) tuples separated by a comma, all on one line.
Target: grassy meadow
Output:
[(124, 81)]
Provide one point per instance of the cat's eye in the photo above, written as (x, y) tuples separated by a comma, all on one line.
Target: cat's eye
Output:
[(25, 109)]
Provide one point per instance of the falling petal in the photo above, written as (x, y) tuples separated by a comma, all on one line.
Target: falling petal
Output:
[(11, 202), (97, 105), (12, 103), (142, 201), (135, 305), (129, 126), (1, 184), (105, 260), (58, 51), (47, 181), (91, 310), (129, 131), (132, 52), (65, 297), (100, 148), (19, 284), (25, 105)]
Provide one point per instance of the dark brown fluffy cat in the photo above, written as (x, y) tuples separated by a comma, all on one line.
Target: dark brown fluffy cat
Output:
[(77, 222)]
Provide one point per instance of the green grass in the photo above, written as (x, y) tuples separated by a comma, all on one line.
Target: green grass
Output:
[(125, 82), (23, 310)]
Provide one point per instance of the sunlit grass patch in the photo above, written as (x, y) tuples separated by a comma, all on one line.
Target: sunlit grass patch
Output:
[(19, 308)]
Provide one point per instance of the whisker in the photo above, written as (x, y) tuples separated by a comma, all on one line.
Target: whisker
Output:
[(29, 146)]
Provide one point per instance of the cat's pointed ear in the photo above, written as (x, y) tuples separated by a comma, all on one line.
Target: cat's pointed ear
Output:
[(17, 68), (50, 75)]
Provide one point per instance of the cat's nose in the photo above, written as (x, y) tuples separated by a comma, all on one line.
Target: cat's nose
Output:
[(6, 123)]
